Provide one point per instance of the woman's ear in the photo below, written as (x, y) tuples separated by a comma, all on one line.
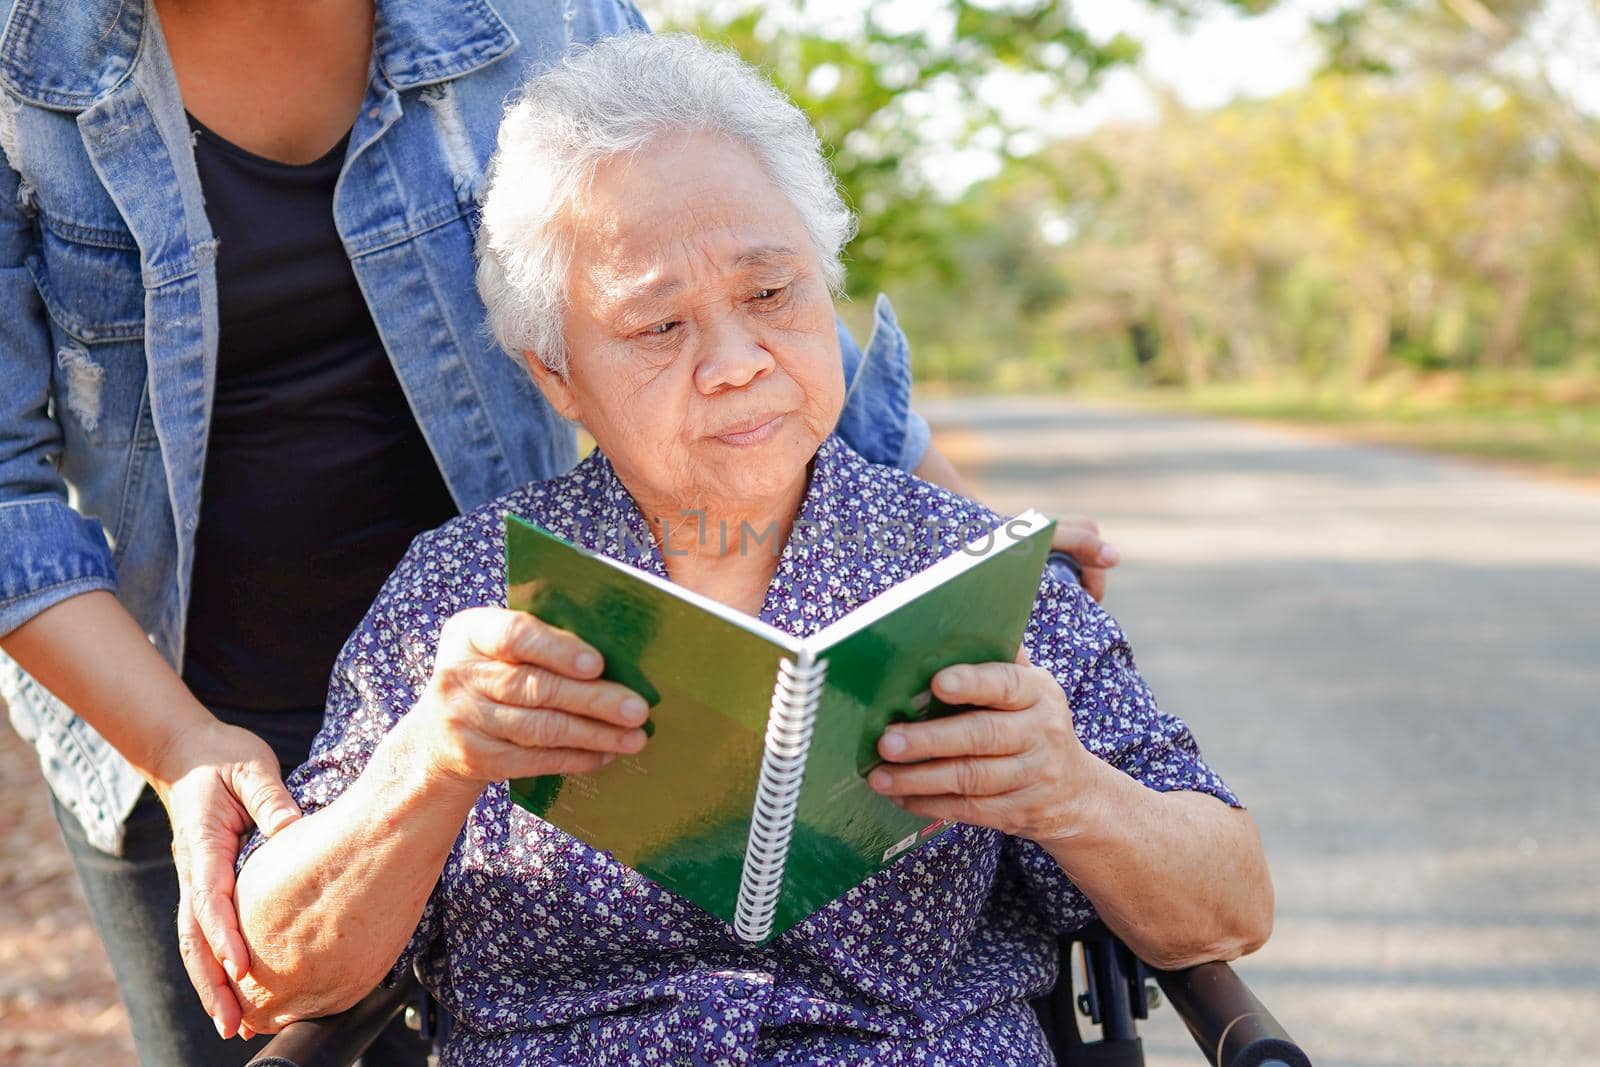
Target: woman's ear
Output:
[(554, 386)]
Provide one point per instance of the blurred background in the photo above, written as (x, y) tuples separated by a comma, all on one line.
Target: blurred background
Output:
[(1301, 301), (1381, 214)]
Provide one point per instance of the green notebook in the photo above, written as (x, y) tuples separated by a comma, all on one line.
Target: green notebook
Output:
[(750, 798)]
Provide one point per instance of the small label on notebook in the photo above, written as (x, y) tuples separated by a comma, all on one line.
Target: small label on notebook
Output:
[(898, 847)]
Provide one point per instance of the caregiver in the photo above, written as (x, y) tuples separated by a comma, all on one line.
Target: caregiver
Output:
[(242, 364)]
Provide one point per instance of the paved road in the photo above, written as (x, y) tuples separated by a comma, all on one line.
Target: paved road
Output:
[(1395, 660)]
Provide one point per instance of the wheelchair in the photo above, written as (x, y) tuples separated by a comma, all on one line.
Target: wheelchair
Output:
[(1228, 1023)]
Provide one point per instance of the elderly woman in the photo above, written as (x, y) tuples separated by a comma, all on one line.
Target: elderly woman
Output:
[(660, 242)]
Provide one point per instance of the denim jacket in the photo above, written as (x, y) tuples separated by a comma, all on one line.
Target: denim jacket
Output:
[(108, 311)]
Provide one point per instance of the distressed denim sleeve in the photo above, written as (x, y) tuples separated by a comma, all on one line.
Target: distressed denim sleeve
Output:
[(49, 552), (877, 420)]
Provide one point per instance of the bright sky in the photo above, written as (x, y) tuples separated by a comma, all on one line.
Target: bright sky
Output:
[(1218, 57), (1212, 60), (1209, 61)]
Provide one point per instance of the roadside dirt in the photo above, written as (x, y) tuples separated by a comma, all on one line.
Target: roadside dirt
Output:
[(58, 1002)]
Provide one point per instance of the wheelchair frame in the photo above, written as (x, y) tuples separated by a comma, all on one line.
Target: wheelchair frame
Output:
[(1225, 1019), (1230, 1026)]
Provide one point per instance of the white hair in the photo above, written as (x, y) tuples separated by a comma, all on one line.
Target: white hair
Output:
[(618, 96)]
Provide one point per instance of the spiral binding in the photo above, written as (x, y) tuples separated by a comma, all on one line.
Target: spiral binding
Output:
[(783, 764)]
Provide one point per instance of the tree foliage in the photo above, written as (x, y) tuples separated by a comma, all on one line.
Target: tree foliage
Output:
[(1337, 230), (1430, 201), (887, 97)]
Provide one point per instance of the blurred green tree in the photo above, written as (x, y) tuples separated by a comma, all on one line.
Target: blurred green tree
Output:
[(1430, 202), (1513, 44), (1335, 229), (891, 94)]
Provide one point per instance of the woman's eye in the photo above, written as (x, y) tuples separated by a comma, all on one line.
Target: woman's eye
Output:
[(661, 328), (767, 294)]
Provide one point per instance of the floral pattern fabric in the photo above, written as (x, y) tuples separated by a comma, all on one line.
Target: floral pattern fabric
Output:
[(547, 951)]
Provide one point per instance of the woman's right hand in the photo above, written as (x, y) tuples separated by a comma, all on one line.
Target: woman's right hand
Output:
[(514, 697)]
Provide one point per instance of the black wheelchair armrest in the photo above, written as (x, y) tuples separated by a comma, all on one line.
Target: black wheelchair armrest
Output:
[(1225, 1019), (1229, 1024), (337, 1040)]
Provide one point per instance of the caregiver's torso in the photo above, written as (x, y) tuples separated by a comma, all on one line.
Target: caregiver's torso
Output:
[(282, 81), (120, 265), (126, 266)]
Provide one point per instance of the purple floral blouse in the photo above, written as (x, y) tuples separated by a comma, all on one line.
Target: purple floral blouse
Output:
[(548, 951)]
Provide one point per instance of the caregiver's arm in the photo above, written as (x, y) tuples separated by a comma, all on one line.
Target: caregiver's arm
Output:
[(1076, 535), (1180, 876), (61, 622), (328, 904), (215, 780), (878, 422), (937, 468)]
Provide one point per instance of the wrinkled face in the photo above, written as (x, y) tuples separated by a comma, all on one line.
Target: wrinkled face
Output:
[(700, 331)]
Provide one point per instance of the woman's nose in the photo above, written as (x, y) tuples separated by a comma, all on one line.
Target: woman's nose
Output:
[(733, 358)]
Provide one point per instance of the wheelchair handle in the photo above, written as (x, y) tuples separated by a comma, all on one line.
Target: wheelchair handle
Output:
[(338, 1039), (1229, 1024)]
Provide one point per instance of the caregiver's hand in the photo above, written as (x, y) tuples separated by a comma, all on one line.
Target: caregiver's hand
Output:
[(1079, 537), (216, 782), (1013, 763), (512, 697)]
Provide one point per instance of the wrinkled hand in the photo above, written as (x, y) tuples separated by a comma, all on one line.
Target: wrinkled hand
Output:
[(216, 782), (1013, 763), (1079, 537), (513, 697)]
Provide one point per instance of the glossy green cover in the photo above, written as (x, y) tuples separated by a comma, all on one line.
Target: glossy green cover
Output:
[(679, 812), (844, 831)]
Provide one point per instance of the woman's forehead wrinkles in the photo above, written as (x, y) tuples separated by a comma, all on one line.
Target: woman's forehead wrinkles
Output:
[(769, 256), (622, 282), (617, 294), (655, 226), (667, 197)]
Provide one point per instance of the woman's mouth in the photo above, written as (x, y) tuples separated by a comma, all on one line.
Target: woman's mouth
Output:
[(753, 433)]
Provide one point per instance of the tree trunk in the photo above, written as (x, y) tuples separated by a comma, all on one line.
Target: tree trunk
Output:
[(1370, 326), (1504, 350), (1186, 359)]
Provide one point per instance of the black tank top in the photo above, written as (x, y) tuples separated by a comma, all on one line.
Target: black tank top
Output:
[(317, 476)]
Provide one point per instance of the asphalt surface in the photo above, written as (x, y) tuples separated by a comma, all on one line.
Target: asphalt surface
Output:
[(1394, 659)]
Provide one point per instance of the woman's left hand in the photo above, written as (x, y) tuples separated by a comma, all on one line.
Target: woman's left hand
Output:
[(1014, 763)]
